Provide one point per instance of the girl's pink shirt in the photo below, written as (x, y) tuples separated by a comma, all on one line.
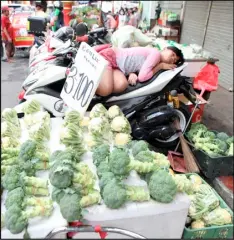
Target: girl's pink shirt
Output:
[(139, 60)]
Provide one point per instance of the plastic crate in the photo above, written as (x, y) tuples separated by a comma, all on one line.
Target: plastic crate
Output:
[(218, 232), (213, 167)]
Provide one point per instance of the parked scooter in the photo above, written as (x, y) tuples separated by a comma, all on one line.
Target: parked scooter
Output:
[(145, 105), (93, 38)]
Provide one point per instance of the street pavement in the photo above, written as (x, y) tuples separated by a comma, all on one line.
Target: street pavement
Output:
[(12, 77)]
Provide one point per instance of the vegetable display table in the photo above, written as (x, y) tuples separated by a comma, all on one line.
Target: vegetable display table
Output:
[(150, 219)]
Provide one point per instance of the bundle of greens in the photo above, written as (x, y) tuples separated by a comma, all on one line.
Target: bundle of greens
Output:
[(9, 115), (20, 207), (15, 178), (215, 145)]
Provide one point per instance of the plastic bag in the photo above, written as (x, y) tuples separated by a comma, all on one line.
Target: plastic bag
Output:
[(207, 78), (125, 36)]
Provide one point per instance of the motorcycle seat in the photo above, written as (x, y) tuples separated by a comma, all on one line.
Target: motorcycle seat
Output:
[(138, 85)]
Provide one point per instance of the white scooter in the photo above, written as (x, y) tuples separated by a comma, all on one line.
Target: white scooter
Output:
[(53, 41), (144, 104)]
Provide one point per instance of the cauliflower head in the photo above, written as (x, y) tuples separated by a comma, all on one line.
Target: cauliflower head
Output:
[(121, 124), (98, 111), (114, 111)]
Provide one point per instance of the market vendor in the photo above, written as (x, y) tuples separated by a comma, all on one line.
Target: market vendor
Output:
[(138, 63), (7, 34)]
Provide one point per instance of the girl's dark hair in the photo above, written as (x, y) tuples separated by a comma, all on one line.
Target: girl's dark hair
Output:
[(179, 54)]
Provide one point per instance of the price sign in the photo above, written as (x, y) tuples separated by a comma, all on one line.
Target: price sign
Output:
[(83, 78)]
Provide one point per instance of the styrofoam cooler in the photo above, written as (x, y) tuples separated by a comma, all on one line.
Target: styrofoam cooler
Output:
[(149, 219), (193, 67)]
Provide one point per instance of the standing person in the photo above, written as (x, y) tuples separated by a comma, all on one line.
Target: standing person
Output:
[(7, 34), (57, 19), (39, 10)]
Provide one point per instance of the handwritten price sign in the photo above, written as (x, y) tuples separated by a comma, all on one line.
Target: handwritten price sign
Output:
[(83, 79)]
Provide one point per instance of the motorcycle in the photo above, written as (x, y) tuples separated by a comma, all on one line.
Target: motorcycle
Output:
[(93, 38), (145, 105)]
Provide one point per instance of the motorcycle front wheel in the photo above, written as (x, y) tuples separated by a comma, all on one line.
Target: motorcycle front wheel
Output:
[(183, 114)]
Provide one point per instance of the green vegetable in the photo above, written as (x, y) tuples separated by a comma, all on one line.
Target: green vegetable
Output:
[(36, 118), (10, 161), (230, 150), (11, 130), (197, 224), (32, 107), (162, 187), (39, 132), (139, 146), (90, 199), (115, 194), (217, 217), (2, 221), (8, 142), (102, 169), (61, 176), (221, 144), (72, 117), (27, 150), (106, 178), (71, 136), (161, 160), (122, 139), (230, 140), (98, 111), (121, 124), (10, 116), (100, 154), (114, 111), (15, 196), (15, 178), (205, 200), (183, 183), (222, 136), (210, 135), (145, 156), (121, 164), (70, 207)]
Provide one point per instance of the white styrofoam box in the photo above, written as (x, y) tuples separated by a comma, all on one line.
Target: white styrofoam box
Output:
[(193, 68), (149, 219)]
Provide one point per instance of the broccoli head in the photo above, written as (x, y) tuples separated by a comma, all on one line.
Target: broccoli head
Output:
[(221, 145), (139, 146), (61, 176), (15, 222), (230, 140), (70, 207), (11, 178), (115, 194), (105, 179), (145, 156), (119, 161), (15, 196), (210, 135), (27, 150), (103, 168), (222, 136), (162, 187), (100, 154)]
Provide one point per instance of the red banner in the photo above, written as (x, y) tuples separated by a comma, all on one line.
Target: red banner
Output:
[(21, 38)]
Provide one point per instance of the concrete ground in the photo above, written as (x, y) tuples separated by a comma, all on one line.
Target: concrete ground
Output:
[(12, 77)]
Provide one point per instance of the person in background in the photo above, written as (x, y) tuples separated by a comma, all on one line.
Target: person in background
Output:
[(50, 9), (39, 10), (122, 18), (57, 19), (127, 66), (7, 35)]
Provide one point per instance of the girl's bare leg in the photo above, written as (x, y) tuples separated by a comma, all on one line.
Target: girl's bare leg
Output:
[(120, 81), (106, 84)]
